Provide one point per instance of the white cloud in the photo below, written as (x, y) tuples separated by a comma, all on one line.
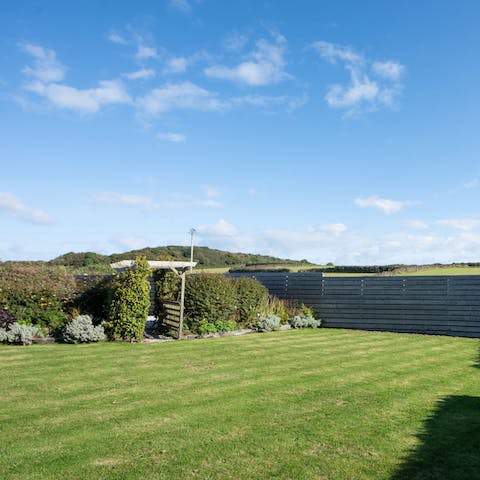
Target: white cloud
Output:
[(88, 100), (176, 65), (361, 93), (209, 203), (116, 38), (211, 192), (142, 74), (219, 229), (390, 70), (360, 90), (46, 67), (466, 224), (181, 5), (235, 42), (334, 229), (172, 137), (145, 52), (474, 183), (126, 242), (12, 205), (385, 205), (264, 66), (333, 52), (184, 95), (46, 74), (417, 224), (125, 199)]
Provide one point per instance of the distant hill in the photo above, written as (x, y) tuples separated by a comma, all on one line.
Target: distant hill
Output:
[(205, 256)]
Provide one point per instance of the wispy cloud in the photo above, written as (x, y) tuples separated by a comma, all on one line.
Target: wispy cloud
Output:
[(142, 74), (235, 42), (12, 205), (181, 5), (46, 73), (116, 38), (126, 199), (211, 192), (222, 228), (172, 137), (145, 52), (334, 229), (465, 224), (363, 93), (176, 65), (46, 68), (126, 242), (417, 224), (88, 100), (384, 204), (263, 66), (471, 184), (184, 95)]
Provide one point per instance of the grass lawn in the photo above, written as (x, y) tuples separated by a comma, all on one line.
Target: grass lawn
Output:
[(317, 404)]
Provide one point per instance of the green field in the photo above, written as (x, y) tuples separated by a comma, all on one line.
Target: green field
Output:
[(317, 404)]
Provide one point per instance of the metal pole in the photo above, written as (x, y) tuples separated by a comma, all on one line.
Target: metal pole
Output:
[(192, 233)]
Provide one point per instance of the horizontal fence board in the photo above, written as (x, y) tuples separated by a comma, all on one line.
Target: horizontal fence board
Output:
[(446, 305)]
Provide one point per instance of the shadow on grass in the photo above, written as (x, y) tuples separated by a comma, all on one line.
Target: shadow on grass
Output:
[(450, 443), (477, 361)]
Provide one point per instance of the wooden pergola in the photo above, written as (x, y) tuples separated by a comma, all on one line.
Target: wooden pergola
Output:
[(180, 270)]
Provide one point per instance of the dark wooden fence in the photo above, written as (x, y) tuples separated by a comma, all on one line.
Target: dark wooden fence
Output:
[(446, 305)]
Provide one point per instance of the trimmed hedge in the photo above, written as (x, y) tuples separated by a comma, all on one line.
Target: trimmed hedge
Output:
[(209, 298)]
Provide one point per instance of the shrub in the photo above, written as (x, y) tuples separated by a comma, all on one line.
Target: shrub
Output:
[(269, 323), (82, 330), (204, 327), (94, 295), (130, 303), (36, 294), (304, 321), (209, 298), (252, 298), (6, 319), (280, 308), (19, 334)]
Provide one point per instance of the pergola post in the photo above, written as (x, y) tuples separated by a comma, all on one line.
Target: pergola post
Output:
[(182, 304)]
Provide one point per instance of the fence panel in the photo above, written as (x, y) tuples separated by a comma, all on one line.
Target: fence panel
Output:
[(446, 305)]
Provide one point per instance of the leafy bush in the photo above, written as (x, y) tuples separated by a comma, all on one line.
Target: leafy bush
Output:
[(204, 327), (6, 319), (304, 321), (130, 303), (94, 295), (209, 298), (36, 294), (269, 323), (82, 330), (18, 334), (252, 298)]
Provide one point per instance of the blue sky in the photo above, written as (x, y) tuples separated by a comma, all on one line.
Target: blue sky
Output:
[(337, 131)]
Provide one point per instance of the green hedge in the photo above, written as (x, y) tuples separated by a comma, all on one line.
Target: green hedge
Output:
[(37, 294), (213, 303)]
